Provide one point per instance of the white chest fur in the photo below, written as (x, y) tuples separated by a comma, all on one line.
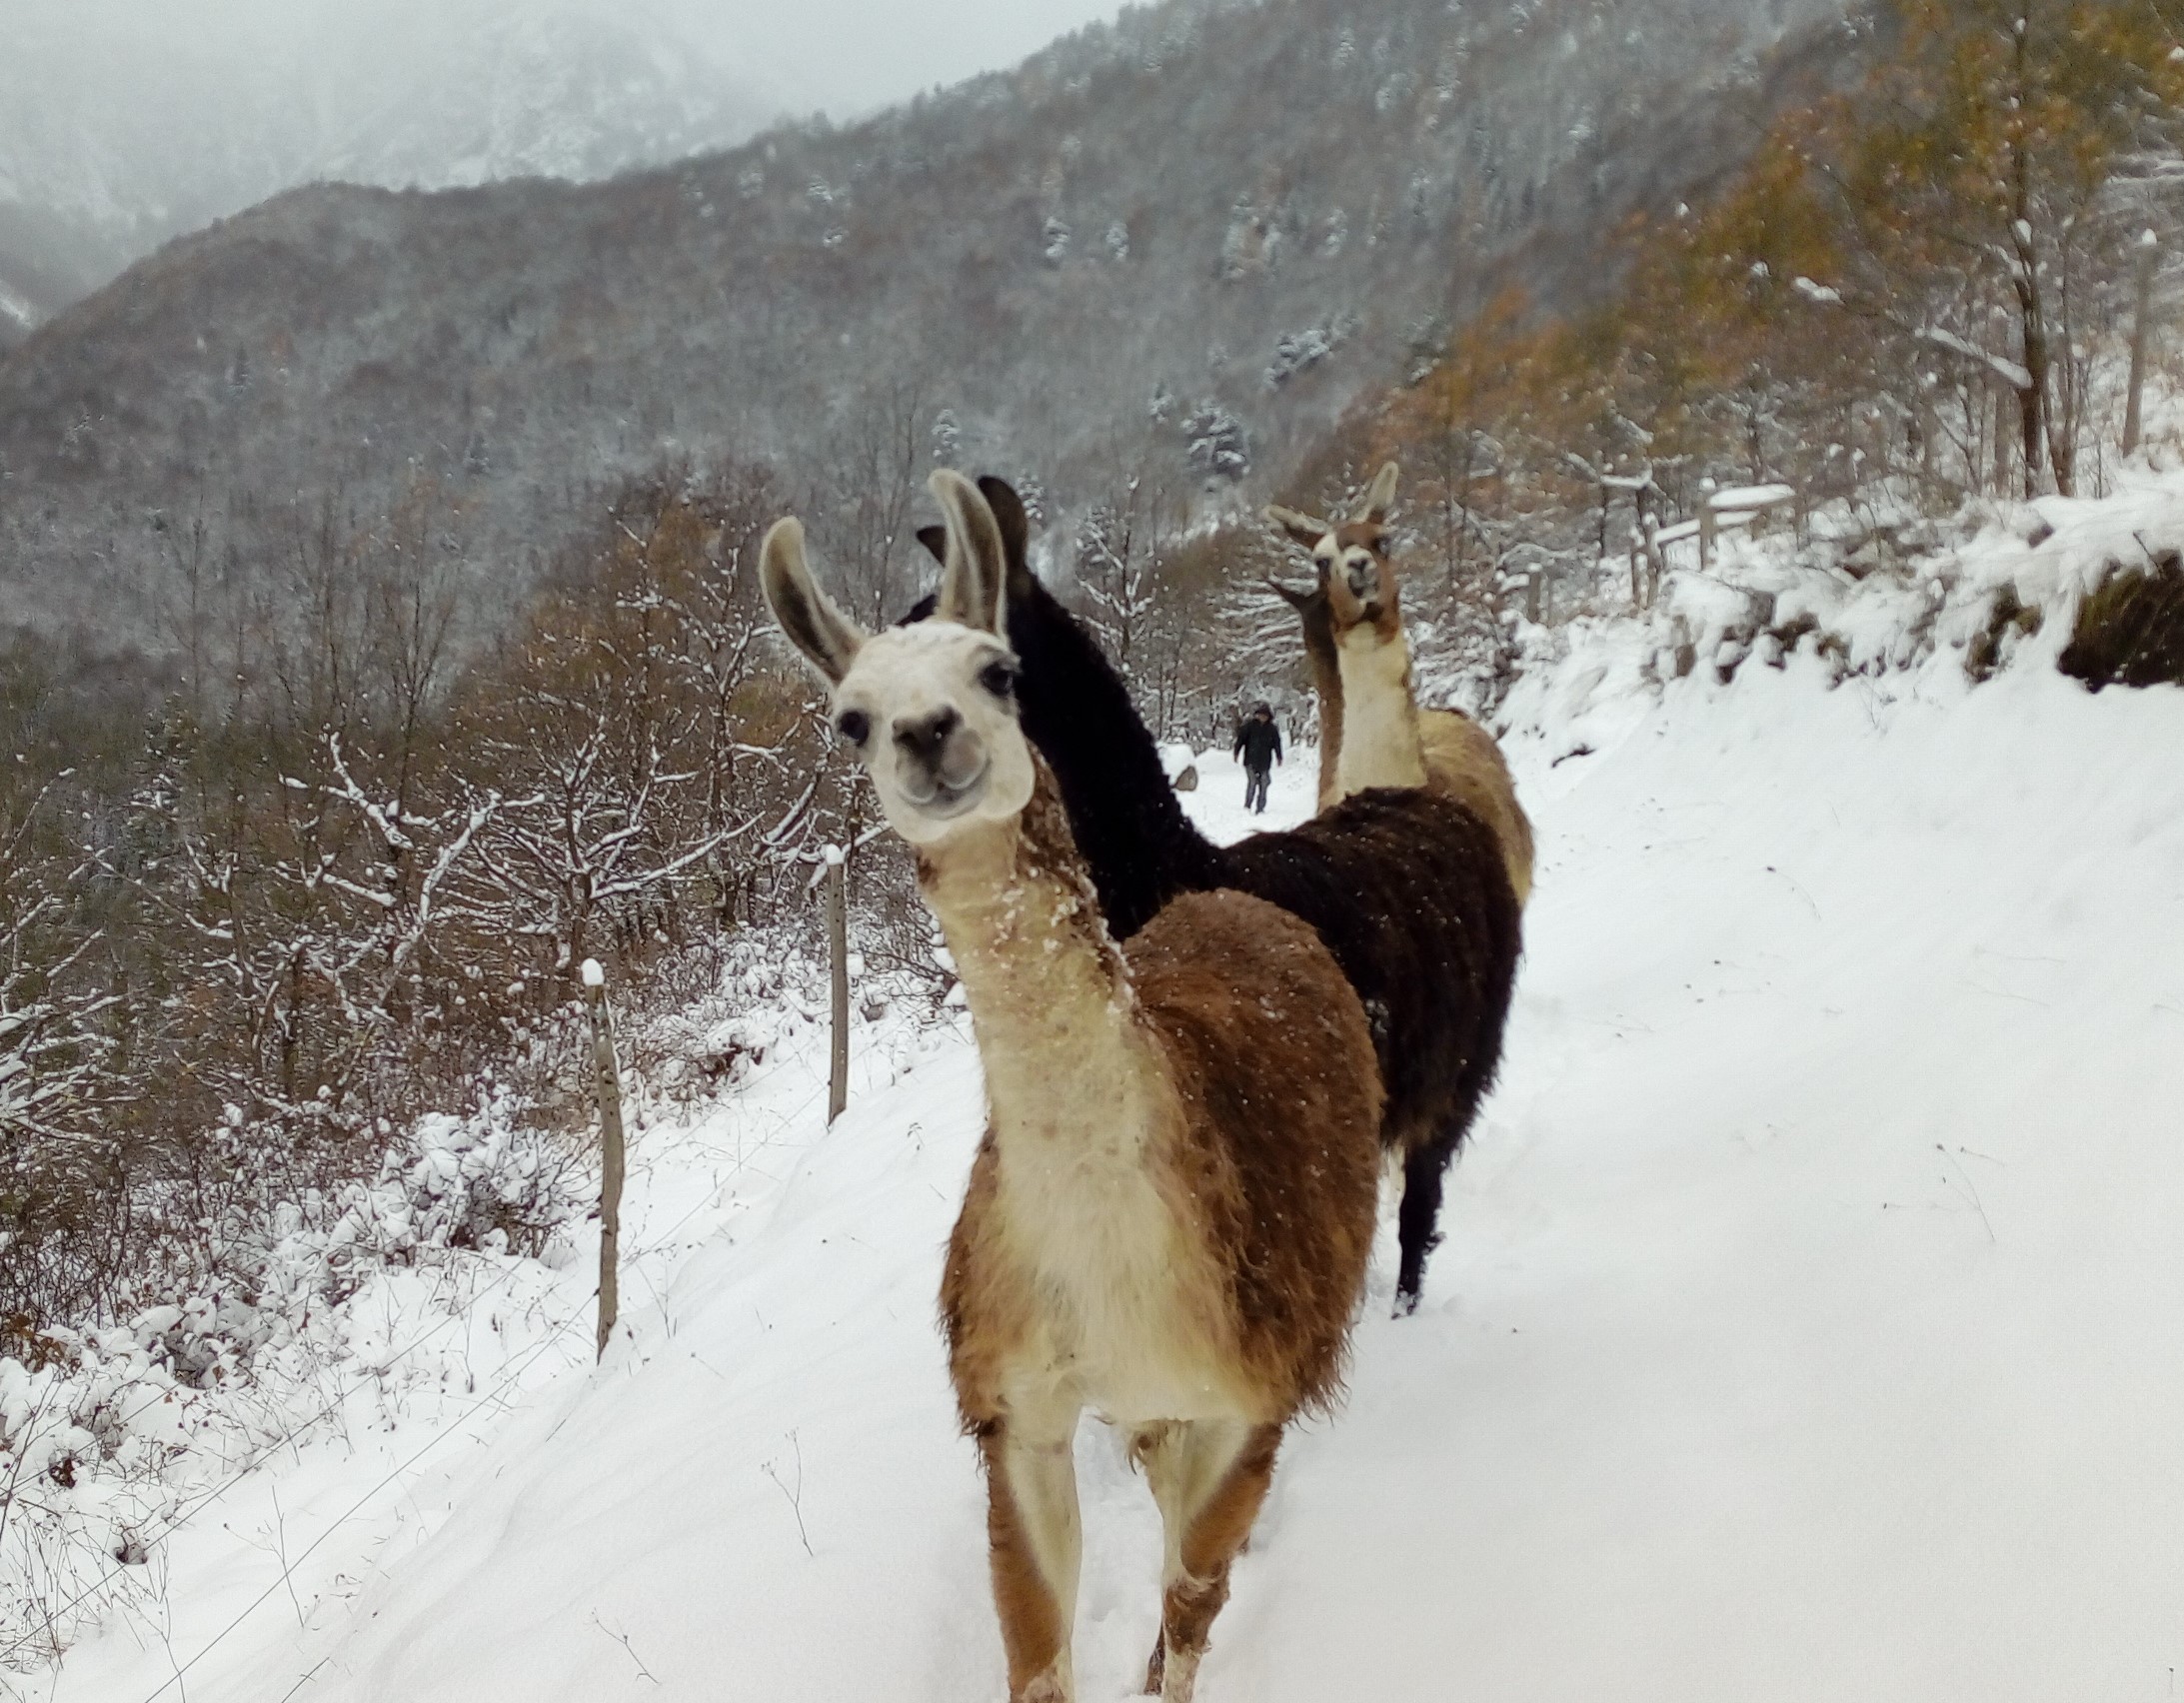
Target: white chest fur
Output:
[(1121, 1283), (1379, 717)]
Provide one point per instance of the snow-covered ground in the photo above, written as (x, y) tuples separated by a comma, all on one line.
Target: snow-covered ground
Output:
[(1807, 1324)]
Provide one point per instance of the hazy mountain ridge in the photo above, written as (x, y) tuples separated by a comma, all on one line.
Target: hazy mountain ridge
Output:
[(95, 172), (1194, 236)]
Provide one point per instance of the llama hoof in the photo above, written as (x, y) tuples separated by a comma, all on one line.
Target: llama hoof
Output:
[(1180, 1684), (1049, 1687), (1406, 1303)]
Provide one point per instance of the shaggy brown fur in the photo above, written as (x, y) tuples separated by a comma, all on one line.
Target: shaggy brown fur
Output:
[(1217, 1285), (1409, 891), (1169, 1217), (1464, 763), (1429, 936), (1272, 1162)]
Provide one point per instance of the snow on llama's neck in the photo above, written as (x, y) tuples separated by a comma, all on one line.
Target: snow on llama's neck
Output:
[(1049, 992), (1380, 744)]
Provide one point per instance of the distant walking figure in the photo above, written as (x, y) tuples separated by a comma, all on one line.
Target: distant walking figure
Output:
[(1258, 743)]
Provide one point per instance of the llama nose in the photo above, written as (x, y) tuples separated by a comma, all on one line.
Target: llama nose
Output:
[(1363, 582), (924, 739)]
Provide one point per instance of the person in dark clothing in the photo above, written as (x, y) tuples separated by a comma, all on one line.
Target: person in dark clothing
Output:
[(1258, 743)]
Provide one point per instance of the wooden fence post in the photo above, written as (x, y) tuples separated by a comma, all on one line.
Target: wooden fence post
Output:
[(1708, 522), (607, 1085), (2149, 247), (838, 953)]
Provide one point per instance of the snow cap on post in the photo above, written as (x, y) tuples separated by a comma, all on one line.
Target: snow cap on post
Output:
[(594, 976)]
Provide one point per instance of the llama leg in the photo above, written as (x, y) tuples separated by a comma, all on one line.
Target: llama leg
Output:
[(1032, 1541), (1209, 1477), (1422, 1175)]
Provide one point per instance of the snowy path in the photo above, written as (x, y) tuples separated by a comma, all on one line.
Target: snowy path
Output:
[(1807, 1328)]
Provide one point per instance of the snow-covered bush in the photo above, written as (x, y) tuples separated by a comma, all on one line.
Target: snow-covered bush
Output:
[(1217, 443), (106, 1433), (1296, 351)]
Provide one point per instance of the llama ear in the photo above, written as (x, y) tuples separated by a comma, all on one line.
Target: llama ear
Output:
[(1299, 597), (935, 538), (1016, 531), (1305, 531), (1380, 497), (971, 583), (828, 639)]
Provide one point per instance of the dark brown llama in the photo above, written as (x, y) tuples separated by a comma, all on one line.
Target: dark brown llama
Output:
[(1407, 888)]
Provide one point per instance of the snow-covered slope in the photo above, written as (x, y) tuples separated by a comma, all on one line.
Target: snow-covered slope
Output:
[(1806, 1327)]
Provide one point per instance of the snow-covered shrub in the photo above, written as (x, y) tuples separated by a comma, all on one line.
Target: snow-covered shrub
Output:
[(1299, 350), (88, 1431), (1217, 443), (107, 1434), (484, 1182)]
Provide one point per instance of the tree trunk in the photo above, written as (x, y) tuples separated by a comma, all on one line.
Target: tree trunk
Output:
[(2031, 427), (2032, 401), (2147, 252)]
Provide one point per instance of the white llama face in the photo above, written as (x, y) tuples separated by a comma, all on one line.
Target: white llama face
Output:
[(1353, 566), (1351, 556), (931, 711)]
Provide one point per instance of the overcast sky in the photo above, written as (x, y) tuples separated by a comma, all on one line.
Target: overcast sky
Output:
[(861, 54), (846, 56)]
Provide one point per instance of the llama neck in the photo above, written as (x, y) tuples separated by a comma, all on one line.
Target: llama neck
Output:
[(1380, 744), (1327, 685), (1138, 847), (1049, 992)]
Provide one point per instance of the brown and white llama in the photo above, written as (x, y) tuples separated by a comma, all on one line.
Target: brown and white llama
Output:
[(1370, 714), (1169, 1218)]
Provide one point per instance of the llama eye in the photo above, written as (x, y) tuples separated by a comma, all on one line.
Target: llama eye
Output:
[(854, 725), (998, 677)]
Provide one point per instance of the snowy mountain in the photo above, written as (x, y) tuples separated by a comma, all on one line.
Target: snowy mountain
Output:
[(1805, 1327), (1182, 243), (113, 140)]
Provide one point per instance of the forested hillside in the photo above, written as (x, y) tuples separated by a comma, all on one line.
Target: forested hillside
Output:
[(1949, 282), (1178, 247)]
